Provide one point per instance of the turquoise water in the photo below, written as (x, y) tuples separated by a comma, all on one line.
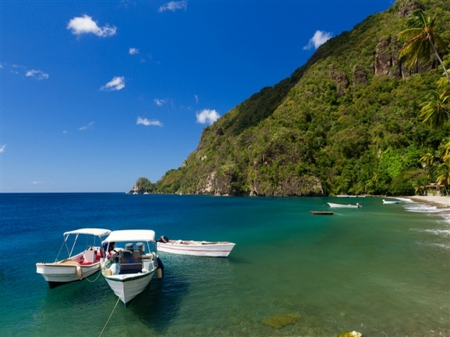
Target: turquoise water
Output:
[(382, 270)]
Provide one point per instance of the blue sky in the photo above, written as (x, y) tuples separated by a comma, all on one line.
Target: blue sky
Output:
[(95, 95)]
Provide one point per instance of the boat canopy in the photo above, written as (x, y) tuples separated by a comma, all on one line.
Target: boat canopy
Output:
[(91, 231), (131, 235)]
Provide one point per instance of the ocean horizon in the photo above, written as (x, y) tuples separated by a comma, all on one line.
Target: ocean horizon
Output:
[(382, 270)]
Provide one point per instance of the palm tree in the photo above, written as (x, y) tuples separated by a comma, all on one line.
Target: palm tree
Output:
[(446, 157), (422, 41), (436, 110), (443, 178)]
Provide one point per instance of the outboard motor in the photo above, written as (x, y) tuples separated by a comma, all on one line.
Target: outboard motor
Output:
[(164, 239)]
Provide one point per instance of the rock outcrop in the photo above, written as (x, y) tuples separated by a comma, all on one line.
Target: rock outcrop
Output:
[(387, 62), (340, 80), (359, 75), (407, 7)]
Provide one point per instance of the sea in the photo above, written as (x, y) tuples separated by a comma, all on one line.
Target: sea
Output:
[(382, 270)]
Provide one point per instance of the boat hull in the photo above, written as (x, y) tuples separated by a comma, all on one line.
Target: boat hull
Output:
[(333, 205), (127, 287), (195, 248), (321, 213), (66, 271)]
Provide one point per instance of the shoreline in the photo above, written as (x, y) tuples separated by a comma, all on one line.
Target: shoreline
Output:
[(438, 201)]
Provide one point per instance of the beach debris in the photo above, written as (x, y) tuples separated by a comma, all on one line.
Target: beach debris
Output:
[(279, 321), (350, 334)]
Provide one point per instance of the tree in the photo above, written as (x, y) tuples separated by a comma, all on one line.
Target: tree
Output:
[(436, 110), (422, 41)]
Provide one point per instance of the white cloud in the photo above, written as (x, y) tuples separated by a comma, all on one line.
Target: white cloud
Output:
[(37, 74), (85, 25), (116, 84), (196, 98), (87, 127), (65, 132), (318, 39), (133, 51), (207, 116), (37, 182), (147, 122), (2, 148), (173, 6), (159, 102)]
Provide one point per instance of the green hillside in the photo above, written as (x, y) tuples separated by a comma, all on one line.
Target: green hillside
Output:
[(346, 122)]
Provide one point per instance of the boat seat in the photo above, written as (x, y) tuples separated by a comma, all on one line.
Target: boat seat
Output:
[(130, 268), (130, 247), (89, 256), (126, 257), (137, 256), (140, 246)]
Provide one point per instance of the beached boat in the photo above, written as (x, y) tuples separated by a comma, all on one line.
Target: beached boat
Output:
[(75, 267), (333, 205), (391, 202), (195, 248), (133, 263)]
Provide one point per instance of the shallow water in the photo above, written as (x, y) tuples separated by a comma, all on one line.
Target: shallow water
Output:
[(382, 270)]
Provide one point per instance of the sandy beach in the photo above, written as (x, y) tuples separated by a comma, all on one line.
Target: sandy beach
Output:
[(438, 201)]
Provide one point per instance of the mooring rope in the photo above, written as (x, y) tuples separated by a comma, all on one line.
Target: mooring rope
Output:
[(95, 278), (110, 316)]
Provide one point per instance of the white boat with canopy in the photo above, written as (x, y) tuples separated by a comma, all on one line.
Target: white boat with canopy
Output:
[(133, 262), (195, 248), (83, 247), (333, 205)]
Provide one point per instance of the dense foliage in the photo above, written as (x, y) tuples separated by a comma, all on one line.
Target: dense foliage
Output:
[(143, 185), (312, 129)]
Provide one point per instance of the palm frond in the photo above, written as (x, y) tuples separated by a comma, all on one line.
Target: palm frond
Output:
[(435, 111)]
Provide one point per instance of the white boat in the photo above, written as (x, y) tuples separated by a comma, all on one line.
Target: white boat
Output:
[(195, 248), (133, 263), (391, 202), (404, 199), (76, 266), (333, 205)]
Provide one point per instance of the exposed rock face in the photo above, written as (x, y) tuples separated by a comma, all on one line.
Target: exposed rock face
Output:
[(216, 185), (407, 7), (384, 59), (359, 75), (340, 79), (208, 187), (388, 64), (290, 186), (297, 186)]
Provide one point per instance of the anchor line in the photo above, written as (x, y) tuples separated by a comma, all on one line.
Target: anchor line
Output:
[(110, 316)]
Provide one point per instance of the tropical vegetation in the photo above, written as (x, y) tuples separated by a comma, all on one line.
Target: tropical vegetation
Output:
[(363, 116)]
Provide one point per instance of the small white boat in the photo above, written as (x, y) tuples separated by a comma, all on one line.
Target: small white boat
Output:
[(404, 199), (333, 205), (78, 266), (195, 248), (391, 202), (133, 263)]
